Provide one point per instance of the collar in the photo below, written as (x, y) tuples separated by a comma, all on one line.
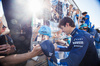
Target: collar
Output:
[(73, 32)]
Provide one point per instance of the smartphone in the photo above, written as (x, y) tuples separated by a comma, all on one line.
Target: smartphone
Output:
[(2, 40)]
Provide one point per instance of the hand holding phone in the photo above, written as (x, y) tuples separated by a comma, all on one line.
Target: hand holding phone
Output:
[(5, 49)]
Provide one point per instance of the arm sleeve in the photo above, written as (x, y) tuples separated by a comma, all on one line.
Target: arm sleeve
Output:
[(77, 52), (66, 49)]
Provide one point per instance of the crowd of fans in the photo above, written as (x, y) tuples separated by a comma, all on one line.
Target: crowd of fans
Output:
[(56, 11)]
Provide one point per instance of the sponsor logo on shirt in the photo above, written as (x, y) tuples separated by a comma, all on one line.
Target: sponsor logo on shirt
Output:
[(78, 39), (78, 42), (78, 46)]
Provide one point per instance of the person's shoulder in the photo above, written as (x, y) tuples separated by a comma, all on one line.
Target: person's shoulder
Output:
[(87, 16), (80, 37), (81, 33)]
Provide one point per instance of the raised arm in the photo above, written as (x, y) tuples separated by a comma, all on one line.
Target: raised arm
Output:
[(18, 58)]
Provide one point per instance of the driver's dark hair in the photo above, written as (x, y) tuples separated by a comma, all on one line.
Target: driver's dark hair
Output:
[(66, 20)]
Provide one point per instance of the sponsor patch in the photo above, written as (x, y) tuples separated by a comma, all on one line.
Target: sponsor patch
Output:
[(78, 42), (78, 46)]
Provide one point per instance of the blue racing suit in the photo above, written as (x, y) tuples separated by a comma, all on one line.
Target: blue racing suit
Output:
[(82, 50)]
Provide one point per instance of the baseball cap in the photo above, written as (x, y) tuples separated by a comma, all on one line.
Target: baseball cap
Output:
[(45, 30), (48, 49), (83, 25)]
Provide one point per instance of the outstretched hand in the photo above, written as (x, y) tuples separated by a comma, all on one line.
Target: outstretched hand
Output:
[(5, 49), (36, 50)]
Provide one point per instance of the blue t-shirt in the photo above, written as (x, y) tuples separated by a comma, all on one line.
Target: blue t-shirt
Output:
[(87, 20)]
